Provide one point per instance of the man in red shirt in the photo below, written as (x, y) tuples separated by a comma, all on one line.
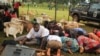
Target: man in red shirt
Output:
[(16, 8), (13, 14), (87, 44), (6, 17)]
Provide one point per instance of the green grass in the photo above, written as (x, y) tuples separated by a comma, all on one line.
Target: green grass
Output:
[(38, 10)]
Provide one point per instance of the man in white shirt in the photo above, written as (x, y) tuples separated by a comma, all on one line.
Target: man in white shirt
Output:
[(35, 35), (54, 42)]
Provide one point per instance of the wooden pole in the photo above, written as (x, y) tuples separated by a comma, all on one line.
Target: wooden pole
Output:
[(28, 8), (68, 10), (55, 9)]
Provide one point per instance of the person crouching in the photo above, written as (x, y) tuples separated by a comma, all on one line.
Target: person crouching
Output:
[(54, 42)]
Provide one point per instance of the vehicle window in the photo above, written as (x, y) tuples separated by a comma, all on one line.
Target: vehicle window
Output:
[(95, 6), (82, 7)]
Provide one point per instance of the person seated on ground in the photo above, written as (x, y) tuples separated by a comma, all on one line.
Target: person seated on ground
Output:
[(93, 36), (7, 17), (87, 44), (97, 32), (54, 42), (13, 14), (36, 35), (52, 26), (80, 29), (72, 32), (67, 33), (69, 44)]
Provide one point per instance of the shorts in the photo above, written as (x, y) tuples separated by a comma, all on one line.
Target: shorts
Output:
[(54, 44)]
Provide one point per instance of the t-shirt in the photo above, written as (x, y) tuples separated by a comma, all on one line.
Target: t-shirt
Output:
[(41, 33), (54, 37), (86, 42)]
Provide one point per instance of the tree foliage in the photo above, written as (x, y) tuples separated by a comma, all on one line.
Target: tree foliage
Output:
[(59, 1)]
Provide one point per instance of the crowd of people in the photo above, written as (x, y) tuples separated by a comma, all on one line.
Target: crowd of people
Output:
[(53, 37), (7, 13)]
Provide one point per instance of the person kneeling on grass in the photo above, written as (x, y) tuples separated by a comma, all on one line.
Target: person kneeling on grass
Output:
[(87, 44), (54, 42), (69, 44), (37, 35)]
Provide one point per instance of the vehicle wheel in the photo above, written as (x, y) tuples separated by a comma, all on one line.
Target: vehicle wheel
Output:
[(76, 18)]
